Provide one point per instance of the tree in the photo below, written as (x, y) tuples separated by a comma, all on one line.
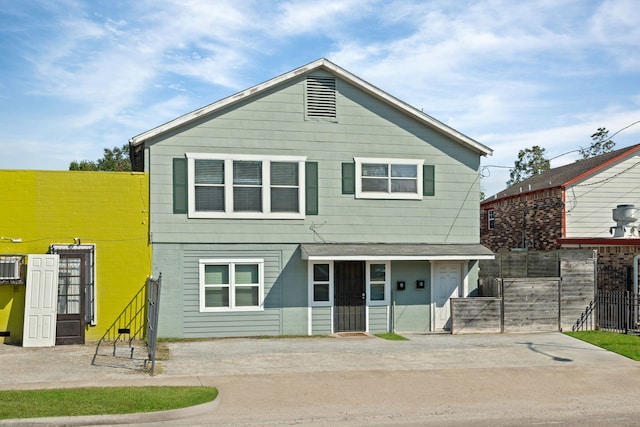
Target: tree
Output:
[(601, 144), (531, 161), (116, 160)]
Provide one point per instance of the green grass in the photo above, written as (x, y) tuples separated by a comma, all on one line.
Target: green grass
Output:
[(626, 345), (99, 400), (392, 336)]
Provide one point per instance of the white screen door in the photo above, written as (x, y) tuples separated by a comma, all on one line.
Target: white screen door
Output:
[(40, 301), (448, 280)]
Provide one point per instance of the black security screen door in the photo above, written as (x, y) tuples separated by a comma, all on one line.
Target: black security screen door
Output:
[(71, 300), (350, 297)]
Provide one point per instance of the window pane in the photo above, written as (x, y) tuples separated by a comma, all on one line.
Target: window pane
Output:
[(321, 272), (209, 199), (404, 171), (209, 171), (73, 305), (321, 292), (284, 173), (284, 199), (247, 274), (247, 199), (371, 169), (377, 272), (246, 296), (247, 173), (404, 186), (216, 297), (216, 274), (375, 184), (62, 304), (377, 292)]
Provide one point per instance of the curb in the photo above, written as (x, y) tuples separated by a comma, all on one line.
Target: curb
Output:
[(113, 419)]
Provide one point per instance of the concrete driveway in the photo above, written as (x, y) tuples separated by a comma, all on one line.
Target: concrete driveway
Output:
[(501, 379)]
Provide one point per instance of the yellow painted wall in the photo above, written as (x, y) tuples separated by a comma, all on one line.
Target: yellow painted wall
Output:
[(108, 209)]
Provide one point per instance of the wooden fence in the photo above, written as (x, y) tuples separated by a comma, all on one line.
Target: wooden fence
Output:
[(531, 304)]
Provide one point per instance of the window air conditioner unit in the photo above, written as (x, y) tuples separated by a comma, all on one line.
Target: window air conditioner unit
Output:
[(10, 268)]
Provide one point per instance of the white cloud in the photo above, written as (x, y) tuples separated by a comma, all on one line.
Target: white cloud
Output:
[(509, 74)]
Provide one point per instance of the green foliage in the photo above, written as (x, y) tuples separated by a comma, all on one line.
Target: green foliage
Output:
[(601, 144), (116, 160), (83, 165), (625, 345), (99, 400), (530, 162)]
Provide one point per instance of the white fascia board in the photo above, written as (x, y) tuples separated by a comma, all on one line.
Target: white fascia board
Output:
[(344, 74)]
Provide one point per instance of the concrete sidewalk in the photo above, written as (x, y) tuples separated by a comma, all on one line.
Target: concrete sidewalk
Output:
[(350, 381)]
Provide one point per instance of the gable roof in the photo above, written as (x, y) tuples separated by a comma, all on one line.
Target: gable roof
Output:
[(566, 175), (333, 69)]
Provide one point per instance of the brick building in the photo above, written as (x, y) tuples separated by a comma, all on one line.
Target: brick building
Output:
[(571, 206)]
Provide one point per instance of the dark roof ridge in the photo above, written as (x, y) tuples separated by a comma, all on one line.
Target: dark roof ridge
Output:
[(562, 175)]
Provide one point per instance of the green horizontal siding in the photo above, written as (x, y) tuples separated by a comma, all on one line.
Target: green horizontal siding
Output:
[(321, 320), (378, 319), (274, 124)]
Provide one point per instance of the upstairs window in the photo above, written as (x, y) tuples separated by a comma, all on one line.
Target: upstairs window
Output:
[(243, 186), (491, 219), (388, 178)]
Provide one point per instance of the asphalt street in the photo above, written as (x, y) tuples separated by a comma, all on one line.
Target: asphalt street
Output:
[(492, 379)]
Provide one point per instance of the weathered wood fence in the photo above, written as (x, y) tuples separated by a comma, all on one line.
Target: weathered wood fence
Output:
[(528, 304)]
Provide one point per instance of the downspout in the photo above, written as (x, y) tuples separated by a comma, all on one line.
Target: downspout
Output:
[(635, 288)]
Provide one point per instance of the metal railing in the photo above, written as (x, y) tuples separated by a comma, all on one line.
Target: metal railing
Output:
[(153, 310), (614, 311), (586, 321), (130, 323)]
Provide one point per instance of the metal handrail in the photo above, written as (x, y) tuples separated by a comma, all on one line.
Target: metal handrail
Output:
[(132, 313)]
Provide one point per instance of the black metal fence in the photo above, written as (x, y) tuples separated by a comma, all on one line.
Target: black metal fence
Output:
[(153, 309), (614, 311), (617, 311), (613, 278)]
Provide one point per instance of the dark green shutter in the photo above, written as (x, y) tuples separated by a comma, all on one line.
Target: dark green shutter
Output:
[(348, 178), (180, 186), (428, 180), (311, 190)]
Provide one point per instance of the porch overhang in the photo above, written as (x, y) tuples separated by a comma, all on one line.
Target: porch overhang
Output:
[(393, 252)]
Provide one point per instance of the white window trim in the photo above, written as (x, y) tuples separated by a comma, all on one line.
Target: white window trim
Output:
[(231, 261), (380, 195), (387, 284), (228, 186), (313, 303)]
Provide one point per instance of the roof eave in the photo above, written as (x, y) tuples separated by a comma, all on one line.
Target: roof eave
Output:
[(601, 166), (320, 63)]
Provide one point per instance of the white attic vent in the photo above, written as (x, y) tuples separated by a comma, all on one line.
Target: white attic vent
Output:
[(10, 267), (321, 97)]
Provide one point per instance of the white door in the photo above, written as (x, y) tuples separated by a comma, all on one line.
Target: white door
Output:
[(40, 301), (448, 279)]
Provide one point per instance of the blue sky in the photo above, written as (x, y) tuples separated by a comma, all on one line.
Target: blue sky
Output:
[(79, 76)]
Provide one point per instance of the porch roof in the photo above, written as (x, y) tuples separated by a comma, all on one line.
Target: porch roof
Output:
[(393, 251)]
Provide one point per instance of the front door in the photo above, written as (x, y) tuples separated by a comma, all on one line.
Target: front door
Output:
[(71, 307), (350, 296), (40, 301), (447, 282)]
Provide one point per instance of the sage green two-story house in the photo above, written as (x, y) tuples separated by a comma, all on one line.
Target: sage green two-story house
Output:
[(312, 203)]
